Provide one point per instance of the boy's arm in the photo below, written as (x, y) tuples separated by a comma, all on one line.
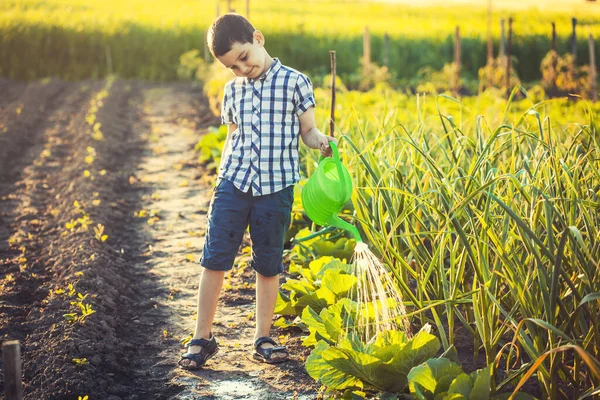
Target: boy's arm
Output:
[(230, 129), (311, 136)]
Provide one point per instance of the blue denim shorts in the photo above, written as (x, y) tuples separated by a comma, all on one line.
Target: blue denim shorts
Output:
[(231, 211)]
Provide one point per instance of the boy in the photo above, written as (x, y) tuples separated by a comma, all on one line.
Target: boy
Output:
[(266, 107)]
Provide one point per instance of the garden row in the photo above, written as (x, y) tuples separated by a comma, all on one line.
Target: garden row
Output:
[(486, 213), (67, 293)]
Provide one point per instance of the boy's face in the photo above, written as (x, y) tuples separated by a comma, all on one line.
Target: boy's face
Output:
[(246, 60)]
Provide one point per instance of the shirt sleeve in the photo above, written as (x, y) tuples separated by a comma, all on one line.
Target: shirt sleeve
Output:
[(304, 97), (226, 109)]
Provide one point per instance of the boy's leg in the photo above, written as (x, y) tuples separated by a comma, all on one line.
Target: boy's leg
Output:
[(267, 288), (209, 289), (269, 221), (227, 222)]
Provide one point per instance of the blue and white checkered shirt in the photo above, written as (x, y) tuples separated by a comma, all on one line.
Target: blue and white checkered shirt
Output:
[(263, 151)]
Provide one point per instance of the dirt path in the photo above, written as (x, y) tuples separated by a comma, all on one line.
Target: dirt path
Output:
[(180, 195), (143, 185)]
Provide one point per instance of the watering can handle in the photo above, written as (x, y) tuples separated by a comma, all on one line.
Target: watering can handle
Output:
[(338, 162)]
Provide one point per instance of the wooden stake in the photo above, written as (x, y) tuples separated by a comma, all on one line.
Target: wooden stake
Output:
[(457, 62), (386, 50), (502, 40), (206, 52), (11, 356), (247, 9), (229, 9), (574, 39), (332, 112), (553, 36), (593, 80), (508, 55), (490, 44), (366, 51), (554, 55), (573, 49)]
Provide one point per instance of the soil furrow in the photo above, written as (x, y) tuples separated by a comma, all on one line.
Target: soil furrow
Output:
[(104, 315)]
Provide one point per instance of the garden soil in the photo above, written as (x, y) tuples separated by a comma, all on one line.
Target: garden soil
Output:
[(99, 249), (61, 191)]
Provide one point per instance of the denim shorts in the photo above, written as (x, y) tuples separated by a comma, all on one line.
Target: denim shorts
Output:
[(230, 213)]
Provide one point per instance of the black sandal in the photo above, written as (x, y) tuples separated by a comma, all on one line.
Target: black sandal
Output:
[(208, 351), (264, 355)]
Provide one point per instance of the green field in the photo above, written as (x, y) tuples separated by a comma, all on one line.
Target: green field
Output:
[(76, 39)]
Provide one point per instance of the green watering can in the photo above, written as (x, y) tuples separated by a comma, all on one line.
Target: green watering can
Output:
[(326, 192)]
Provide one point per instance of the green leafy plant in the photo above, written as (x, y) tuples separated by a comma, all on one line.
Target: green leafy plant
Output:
[(384, 363), (211, 145), (323, 283)]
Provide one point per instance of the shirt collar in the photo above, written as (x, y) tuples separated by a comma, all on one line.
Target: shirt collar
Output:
[(267, 76)]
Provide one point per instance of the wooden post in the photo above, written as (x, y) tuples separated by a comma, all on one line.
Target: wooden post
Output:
[(573, 49), (386, 50), (554, 55), (11, 356), (490, 43), (332, 112), (247, 9), (206, 52), (593, 80), (553, 36), (367, 51), (218, 8), (229, 9), (502, 40), (508, 55), (574, 39), (456, 83)]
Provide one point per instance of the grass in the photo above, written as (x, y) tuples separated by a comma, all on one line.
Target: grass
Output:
[(78, 39)]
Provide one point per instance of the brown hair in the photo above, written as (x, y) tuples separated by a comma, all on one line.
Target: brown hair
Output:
[(226, 30)]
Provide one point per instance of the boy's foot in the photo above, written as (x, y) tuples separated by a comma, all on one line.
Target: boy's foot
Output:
[(266, 350), (199, 352)]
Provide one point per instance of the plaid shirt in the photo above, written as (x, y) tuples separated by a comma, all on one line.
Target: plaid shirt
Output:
[(263, 151)]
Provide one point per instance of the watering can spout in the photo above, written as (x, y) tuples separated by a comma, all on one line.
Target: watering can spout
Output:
[(340, 223)]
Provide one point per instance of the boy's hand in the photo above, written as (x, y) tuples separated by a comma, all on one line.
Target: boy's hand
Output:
[(324, 145)]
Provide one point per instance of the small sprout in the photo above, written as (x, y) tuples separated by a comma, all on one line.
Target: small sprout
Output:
[(80, 362), (71, 317), (186, 339), (99, 233)]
